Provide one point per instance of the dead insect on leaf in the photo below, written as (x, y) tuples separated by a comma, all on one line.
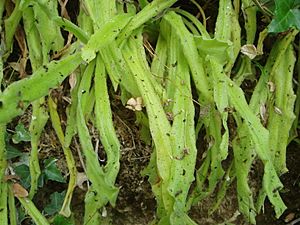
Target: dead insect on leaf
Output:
[(21, 105), (229, 110), (170, 116), (72, 80), (185, 152), (277, 110), (167, 102), (263, 113), (271, 86)]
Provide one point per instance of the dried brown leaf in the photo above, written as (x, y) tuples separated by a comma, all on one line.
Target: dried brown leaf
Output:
[(249, 50), (19, 190), (135, 104)]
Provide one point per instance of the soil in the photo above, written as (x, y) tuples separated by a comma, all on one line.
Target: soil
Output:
[(290, 194)]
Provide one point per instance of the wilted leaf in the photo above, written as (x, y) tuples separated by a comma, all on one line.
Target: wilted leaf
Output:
[(271, 86), (135, 104), (19, 191), (263, 113), (51, 171), (21, 134), (20, 37), (15, 66), (81, 178), (55, 203), (289, 217), (72, 80), (249, 50), (287, 15), (11, 177)]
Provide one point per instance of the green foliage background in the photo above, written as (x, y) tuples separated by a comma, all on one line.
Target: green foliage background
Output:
[(109, 44)]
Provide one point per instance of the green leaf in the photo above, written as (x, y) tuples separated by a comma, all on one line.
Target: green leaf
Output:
[(18, 96), (21, 134), (222, 51), (21, 214), (51, 171), (23, 172), (31, 210), (12, 152), (24, 159), (61, 220), (104, 36), (55, 203), (7, 137), (287, 15), (42, 180)]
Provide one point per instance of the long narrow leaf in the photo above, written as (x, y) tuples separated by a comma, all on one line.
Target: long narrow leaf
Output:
[(16, 97)]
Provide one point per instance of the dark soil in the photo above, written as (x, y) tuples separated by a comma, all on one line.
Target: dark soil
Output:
[(290, 193)]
